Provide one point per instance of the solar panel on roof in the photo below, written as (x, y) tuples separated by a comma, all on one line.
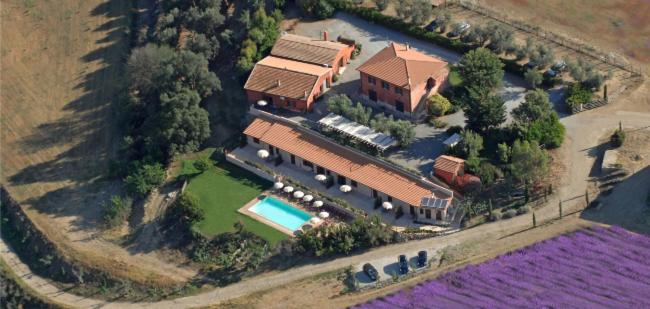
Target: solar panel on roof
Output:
[(432, 202)]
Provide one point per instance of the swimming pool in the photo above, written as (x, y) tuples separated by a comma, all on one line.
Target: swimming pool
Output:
[(280, 213)]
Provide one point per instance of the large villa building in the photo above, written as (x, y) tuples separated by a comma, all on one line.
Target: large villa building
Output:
[(400, 79), (298, 71), (313, 153)]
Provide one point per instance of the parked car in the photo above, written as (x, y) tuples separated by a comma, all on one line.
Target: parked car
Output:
[(371, 271), (550, 73), (422, 258), (432, 26), (461, 28), (403, 265), (559, 66)]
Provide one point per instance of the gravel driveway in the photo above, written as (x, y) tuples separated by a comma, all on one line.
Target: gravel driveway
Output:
[(428, 143)]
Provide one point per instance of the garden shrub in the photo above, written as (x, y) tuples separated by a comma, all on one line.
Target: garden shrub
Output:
[(202, 164), (357, 50), (510, 213), (575, 94), (116, 211), (335, 78), (437, 123), (523, 210), (438, 105), (495, 215), (618, 138)]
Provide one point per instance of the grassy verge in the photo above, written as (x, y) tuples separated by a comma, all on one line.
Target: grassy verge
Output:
[(221, 191)]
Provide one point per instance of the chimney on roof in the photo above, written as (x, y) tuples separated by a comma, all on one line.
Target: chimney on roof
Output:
[(305, 94), (407, 46), (325, 36), (278, 83)]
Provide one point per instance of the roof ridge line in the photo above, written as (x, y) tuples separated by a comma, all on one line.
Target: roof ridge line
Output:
[(306, 43), (287, 69)]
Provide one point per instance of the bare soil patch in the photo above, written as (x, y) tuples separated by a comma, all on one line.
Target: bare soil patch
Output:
[(614, 25), (61, 75)]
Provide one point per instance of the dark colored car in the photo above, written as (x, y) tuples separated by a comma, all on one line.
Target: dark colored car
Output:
[(550, 73), (371, 271), (422, 258), (432, 26), (403, 264), (559, 66)]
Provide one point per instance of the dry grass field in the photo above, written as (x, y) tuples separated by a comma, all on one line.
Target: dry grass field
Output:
[(620, 26), (62, 64)]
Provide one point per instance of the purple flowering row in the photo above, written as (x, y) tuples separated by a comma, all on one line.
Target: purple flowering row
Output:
[(592, 268)]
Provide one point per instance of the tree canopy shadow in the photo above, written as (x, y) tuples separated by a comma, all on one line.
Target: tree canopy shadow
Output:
[(87, 131)]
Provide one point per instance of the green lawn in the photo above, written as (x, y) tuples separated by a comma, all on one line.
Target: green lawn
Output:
[(221, 191)]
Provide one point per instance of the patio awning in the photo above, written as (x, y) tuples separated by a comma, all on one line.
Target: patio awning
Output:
[(357, 131)]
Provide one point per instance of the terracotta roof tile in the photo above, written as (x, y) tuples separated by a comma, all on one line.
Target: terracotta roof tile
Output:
[(403, 66), (343, 161), (448, 164), (285, 78), (306, 49)]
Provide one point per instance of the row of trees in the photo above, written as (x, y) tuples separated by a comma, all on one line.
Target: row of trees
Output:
[(402, 130), (418, 11)]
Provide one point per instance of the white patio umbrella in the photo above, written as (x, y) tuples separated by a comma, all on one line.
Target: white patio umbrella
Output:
[(323, 214), (288, 189), (278, 185), (318, 204), (298, 194), (320, 177), (345, 188), (387, 205), (262, 103), (308, 198), (263, 153)]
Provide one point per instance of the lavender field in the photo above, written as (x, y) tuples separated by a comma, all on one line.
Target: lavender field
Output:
[(592, 268)]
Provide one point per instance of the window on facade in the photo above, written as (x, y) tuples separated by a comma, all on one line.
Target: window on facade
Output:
[(390, 198), (291, 104), (256, 140), (307, 163), (385, 85), (371, 80), (428, 214), (398, 90), (353, 183)]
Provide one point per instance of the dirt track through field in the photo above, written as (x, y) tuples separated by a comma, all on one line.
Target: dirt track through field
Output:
[(62, 70)]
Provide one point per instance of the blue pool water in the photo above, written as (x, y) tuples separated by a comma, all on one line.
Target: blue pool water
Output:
[(280, 213)]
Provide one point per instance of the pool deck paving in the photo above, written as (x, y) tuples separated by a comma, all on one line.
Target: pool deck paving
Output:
[(245, 210), (305, 178)]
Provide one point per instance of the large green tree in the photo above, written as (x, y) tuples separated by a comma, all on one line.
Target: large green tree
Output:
[(536, 106), (483, 110), (480, 68), (181, 125), (529, 163)]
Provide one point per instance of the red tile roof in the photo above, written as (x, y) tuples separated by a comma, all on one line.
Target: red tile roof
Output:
[(344, 161), (306, 49), (403, 66), (284, 77), (448, 164)]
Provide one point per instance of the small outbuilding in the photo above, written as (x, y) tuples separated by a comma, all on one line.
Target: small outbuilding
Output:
[(448, 168)]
